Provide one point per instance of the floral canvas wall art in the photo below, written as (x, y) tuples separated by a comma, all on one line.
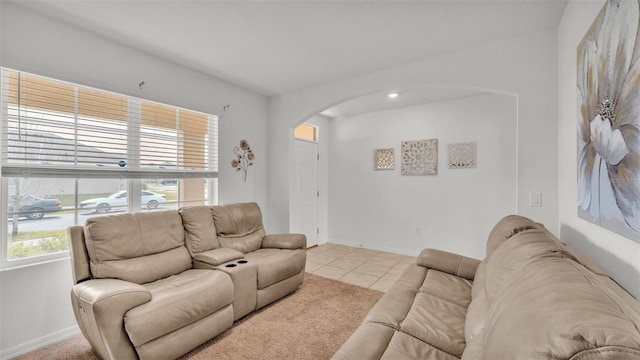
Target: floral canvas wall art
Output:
[(608, 65), (420, 157), (384, 159)]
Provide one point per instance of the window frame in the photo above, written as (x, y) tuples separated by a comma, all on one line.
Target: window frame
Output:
[(315, 132), (134, 177)]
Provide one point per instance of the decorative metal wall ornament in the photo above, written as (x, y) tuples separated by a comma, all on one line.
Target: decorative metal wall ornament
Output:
[(608, 92), (244, 157), (462, 155), (420, 157), (384, 159)]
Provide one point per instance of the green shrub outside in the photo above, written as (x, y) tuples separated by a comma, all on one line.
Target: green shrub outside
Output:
[(50, 242), (18, 250), (51, 245)]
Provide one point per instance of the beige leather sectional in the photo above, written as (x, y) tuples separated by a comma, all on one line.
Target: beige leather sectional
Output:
[(532, 297), (155, 285)]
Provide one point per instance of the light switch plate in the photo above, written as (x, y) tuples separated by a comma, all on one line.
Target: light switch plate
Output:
[(535, 199)]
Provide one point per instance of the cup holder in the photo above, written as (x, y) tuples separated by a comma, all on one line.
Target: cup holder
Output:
[(242, 261), (230, 265)]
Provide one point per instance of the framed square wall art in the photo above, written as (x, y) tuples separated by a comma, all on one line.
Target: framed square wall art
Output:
[(420, 157), (384, 159), (462, 155), (609, 120)]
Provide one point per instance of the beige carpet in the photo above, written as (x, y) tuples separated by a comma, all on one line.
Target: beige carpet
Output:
[(311, 323)]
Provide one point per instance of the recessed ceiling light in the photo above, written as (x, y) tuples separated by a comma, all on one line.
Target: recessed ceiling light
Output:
[(393, 95)]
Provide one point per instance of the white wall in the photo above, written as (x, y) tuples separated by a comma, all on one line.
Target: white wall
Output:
[(617, 255), (453, 210), (524, 67), (35, 304)]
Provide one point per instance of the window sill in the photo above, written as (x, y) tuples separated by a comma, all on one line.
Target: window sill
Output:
[(34, 261)]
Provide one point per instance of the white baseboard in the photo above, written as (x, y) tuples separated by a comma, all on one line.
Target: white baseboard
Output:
[(39, 342), (375, 247)]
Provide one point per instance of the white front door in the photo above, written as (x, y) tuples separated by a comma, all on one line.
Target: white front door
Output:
[(305, 202)]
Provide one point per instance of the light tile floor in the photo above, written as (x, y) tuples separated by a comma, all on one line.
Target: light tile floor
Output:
[(363, 267)]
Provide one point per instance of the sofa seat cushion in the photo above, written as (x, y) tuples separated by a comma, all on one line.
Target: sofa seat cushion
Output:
[(178, 301), (406, 347), (438, 312), (447, 287), (427, 308), (369, 341), (275, 265), (378, 341), (394, 306)]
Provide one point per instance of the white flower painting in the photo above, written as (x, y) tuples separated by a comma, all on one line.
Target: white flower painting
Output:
[(609, 120)]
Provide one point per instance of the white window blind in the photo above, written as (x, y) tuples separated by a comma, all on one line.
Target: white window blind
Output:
[(57, 129)]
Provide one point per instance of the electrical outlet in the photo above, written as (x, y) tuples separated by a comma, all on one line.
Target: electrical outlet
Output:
[(418, 231)]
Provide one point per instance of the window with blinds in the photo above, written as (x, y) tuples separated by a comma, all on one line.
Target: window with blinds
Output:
[(69, 152), (52, 126)]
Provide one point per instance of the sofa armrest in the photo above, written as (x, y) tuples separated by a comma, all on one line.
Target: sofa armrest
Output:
[(453, 264), (99, 306), (285, 241), (79, 256), (219, 256)]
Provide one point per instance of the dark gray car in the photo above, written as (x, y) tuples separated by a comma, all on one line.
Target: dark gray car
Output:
[(32, 207)]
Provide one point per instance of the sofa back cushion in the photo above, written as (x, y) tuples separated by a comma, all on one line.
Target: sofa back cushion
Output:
[(505, 229), (583, 260), (137, 247), (478, 308), (535, 297), (239, 226), (200, 231), (515, 253), (555, 308), (525, 241)]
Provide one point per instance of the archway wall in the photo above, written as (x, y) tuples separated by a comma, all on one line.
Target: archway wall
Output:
[(523, 66), (388, 211)]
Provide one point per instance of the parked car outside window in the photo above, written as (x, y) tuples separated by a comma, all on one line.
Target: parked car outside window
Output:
[(32, 207), (103, 205)]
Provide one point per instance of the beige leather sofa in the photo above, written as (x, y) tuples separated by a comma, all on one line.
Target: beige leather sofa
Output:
[(263, 267), (137, 293), (532, 297)]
